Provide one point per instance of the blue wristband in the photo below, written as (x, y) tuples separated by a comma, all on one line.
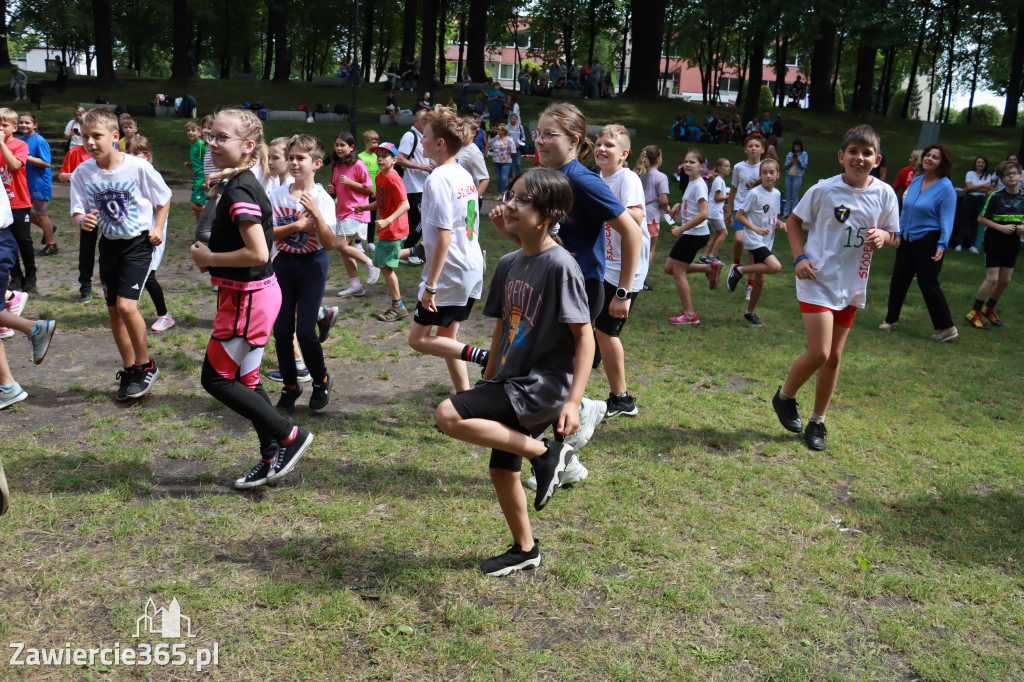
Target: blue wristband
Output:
[(798, 260)]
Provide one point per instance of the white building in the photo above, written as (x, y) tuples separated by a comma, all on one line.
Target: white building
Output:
[(44, 60)]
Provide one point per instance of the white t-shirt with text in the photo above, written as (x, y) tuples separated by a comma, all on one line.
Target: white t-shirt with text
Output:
[(124, 197), (761, 208), (629, 190)]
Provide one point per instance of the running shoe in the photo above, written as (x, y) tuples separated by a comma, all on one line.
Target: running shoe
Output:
[(163, 323), (16, 304), (734, 277), (326, 322), (288, 455), (712, 274), (684, 318), (353, 291), (947, 335), (393, 313), (514, 559), (40, 339), (548, 469), (786, 411), (373, 274), (256, 476), (124, 380), (12, 394), (143, 378), (625, 406), (49, 250), (975, 319), (990, 313), (752, 318), (321, 394), (288, 397), (6, 333), (591, 414)]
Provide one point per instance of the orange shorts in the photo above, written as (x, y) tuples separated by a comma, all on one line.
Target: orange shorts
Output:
[(844, 317), (653, 228)]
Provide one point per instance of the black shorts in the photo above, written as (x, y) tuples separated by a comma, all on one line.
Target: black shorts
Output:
[(612, 326), (760, 254), (1000, 249), (124, 267), (686, 247), (490, 401), (594, 289), (445, 315)]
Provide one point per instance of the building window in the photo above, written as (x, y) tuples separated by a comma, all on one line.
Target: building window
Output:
[(507, 72), (522, 38)]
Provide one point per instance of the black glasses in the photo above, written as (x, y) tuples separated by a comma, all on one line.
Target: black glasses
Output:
[(220, 138)]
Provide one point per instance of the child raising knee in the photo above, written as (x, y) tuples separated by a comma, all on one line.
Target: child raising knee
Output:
[(759, 216), (847, 218), (542, 350), (453, 275)]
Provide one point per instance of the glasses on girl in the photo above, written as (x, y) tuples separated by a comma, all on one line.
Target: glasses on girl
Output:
[(545, 136), (219, 138), (521, 199)]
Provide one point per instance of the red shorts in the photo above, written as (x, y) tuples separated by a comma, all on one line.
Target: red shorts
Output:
[(246, 309), (654, 228), (844, 317)]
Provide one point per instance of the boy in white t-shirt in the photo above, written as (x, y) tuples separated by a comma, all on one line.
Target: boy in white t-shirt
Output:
[(847, 218), (745, 175), (127, 200), (453, 276), (759, 215)]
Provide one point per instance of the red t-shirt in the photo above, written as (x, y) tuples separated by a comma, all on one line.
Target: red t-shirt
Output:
[(76, 157), (903, 180), (390, 195), (16, 183)]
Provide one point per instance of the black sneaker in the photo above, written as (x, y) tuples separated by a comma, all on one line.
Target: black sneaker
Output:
[(324, 326), (752, 318), (288, 397), (288, 455), (124, 376), (143, 377), (734, 277), (785, 409), (515, 559), (85, 295), (548, 469), (321, 394), (617, 406), (256, 476), (49, 250), (814, 435)]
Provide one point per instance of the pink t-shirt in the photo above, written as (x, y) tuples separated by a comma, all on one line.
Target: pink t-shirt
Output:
[(346, 197)]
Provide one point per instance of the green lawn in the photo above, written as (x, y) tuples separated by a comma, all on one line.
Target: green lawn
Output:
[(707, 544)]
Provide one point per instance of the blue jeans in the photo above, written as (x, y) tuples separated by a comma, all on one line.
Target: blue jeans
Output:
[(302, 279), (517, 161), (502, 171), (793, 183)]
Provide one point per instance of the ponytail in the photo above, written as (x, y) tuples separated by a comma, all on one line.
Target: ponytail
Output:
[(647, 159)]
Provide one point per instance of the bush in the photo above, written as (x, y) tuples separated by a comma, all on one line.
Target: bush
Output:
[(983, 115), (896, 104), (766, 100)]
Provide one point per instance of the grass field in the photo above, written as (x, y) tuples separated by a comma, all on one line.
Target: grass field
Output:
[(707, 544)]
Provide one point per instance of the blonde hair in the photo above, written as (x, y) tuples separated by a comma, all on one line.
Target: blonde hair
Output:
[(208, 119), (98, 116), (446, 126), (249, 127), (370, 136), (721, 162), (281, 142), (193, 125), (8, 115), (621, 136), (650, 155), (310, 144), (126, 119), (572, 121), (140, 144)]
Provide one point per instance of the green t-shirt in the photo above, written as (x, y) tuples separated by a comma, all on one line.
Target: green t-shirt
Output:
[(370, 159)]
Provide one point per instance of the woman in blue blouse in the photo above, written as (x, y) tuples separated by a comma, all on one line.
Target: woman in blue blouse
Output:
[(929, 208), (796, 164)]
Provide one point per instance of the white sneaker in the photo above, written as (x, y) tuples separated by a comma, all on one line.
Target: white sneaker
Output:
[(163, 323), (14, 394), (958, 249), (6, 333), (353, 291), (972, 250), (750, 290), (371, 247), (359, 245), (574, 473), (373, 274), (591, 414), (416, 260)]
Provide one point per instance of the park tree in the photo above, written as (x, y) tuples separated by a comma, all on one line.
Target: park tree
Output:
[(104, 42), (476, 40), (179, 43), (5, 55), (648, 18)]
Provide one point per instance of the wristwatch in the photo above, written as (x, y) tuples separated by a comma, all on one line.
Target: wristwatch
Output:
[(621, 294)]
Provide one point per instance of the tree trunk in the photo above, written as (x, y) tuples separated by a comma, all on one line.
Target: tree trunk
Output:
[(268, 54), (912, 83), (974, 81), (5, 56), (648, 28), (442, 26), (462, 45), (428, 39), (476, 38), (744, 67), (863, 84), (835, 71), (625, 45), (370, 9), (225, 53), (592, 33), (887, 91), (282, 50), (780, 70), (409, 32), (822, 54), (1013, 88), (104, 42), (755, 78), (954, 28)]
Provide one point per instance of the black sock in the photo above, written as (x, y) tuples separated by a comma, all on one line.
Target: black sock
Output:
[(977, 304), (991, 303), (475, 354)]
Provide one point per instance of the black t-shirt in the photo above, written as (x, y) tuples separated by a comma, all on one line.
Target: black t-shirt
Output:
[(1006, 209), (242, 199)]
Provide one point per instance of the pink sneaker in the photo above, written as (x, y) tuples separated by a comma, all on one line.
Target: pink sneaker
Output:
[(17, 302), (716, 266), (6, 333), (683, 318), (163, 323)]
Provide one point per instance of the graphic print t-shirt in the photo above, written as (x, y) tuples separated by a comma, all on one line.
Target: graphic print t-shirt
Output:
[(537, 298), (837, 217), (123, 197), (628, 189), (288, 209), (449, 203), (761, 207)]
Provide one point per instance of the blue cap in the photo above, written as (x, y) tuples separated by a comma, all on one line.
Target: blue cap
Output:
[(385, 146)]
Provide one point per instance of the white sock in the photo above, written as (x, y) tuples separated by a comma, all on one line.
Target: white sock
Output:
[(354, 281), (785, 396), (817, 418)]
